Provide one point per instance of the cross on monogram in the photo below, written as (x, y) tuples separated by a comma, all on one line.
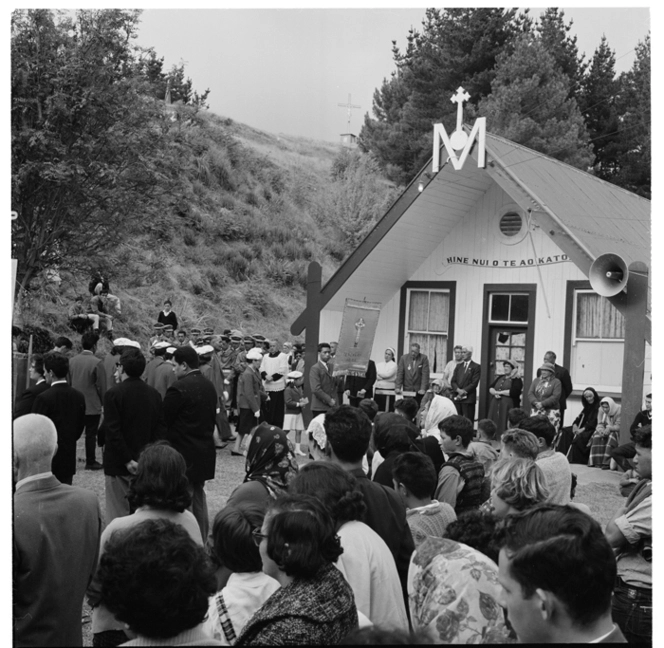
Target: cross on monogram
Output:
[(460, 96)]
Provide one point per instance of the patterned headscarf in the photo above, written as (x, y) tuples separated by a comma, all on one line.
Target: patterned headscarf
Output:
[(270, 459)]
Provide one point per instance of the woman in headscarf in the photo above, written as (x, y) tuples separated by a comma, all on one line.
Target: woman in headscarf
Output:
[(453, 592), (544, 395), (386, 374), (440, 408), (505, 393), (605, 437), (582, 429), (270, 467)]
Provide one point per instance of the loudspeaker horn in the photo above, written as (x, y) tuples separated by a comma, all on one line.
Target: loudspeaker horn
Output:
[(608, 275)]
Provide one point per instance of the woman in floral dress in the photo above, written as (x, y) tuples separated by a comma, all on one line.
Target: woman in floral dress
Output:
[(453, 594)]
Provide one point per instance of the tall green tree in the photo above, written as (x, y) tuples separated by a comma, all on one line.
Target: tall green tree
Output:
[(89, 143), (635, 126), (599, 94), (555, 36), (529, 104), (455, 47)]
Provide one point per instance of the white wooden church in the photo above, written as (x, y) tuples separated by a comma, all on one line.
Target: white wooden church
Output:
[(493, 248)]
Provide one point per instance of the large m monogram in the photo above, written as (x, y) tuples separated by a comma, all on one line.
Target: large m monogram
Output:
[(460, 140)]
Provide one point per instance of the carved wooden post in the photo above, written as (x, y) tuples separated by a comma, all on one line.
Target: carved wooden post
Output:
[(310, 321), (634, 300)]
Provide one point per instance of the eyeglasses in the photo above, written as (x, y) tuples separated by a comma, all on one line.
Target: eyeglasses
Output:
[(258, 537)]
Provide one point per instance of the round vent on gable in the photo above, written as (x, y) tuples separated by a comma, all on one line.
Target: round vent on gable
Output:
[(510, 224)]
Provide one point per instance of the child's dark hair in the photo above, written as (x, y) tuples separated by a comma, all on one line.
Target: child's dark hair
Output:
[(488, 428), (416, 472), (234, 546)]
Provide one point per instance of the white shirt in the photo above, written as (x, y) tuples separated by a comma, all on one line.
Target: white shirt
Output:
[(243, 595), (369, 567), (31, 478)]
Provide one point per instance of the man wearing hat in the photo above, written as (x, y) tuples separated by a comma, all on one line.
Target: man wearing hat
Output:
[(228, 364), (211, 369), (133, 417), (274, 368), (163, 373), (565, 381), (157, 331), (167, 316), (190, 410), (195, 337), (167, 334), (159, 350), (249, 398), (208, 332)]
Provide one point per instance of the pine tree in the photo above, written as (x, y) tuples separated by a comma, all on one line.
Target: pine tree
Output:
[(455, 47), (599, 92), (635, 126), (529, 104), (554, 36)]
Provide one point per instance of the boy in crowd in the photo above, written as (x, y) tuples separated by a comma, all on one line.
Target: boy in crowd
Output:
[(414, 478), (485, 449), (554, 464), (519, 443), (461, 477)]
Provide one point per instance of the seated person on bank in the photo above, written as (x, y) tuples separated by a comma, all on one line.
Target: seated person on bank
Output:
[(80, 317)]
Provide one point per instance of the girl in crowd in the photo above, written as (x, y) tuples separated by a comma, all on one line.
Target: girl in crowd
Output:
[(366, 561), (315, 604), (516, 484), (605, 437), (248, 587), (295, 400)]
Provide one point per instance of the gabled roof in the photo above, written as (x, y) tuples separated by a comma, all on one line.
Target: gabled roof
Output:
[(585, 216)]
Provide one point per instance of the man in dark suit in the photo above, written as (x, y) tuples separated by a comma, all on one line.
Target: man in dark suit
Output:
[(133, 417), (323, 384), (57, 529), (87, 375), (563, 375), (65, 406), (348, 431), (465, 379), (413, 373), (26, 400), (190, 411)]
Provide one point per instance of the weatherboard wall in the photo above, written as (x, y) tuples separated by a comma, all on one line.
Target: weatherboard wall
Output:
[(475, 255)]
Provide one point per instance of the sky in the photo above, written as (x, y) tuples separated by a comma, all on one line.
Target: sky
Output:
[(287, 70)]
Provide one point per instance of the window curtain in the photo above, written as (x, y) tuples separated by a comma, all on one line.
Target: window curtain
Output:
[(597, 318)]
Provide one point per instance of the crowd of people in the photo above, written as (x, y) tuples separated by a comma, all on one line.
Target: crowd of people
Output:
[(388, 519)]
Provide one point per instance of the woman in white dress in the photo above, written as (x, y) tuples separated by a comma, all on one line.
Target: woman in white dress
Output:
[(386, 375)]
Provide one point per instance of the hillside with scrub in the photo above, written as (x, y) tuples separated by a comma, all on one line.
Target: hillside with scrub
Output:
[(233, 250), (119, 168)]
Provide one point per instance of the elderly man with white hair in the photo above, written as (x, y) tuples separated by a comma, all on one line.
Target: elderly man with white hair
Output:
[(57, 528), (465, 379)]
